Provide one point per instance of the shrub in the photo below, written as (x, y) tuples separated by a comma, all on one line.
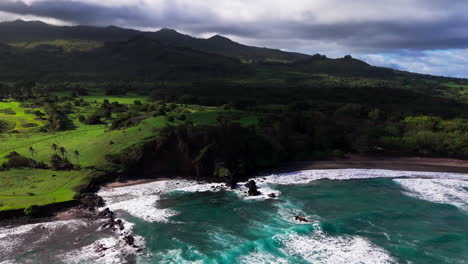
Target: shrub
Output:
[(31, 210), (15, 160), (93, 119), (61, 164), (82, 119), (30, 125)]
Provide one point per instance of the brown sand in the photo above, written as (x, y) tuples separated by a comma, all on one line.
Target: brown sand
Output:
[(132, 182), (381, 162)]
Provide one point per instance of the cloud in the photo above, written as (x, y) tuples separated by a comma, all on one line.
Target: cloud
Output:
[(332, 27), (437, 62)]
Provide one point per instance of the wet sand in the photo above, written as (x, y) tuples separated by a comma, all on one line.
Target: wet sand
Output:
[(132, 182), (380, 162)]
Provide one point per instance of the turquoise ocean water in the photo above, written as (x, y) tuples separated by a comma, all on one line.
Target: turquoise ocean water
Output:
[(356, 216), (353, 221)]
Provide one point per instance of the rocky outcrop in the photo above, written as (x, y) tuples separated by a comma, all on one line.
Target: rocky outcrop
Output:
[(130, 240), (91, 201), (253, 191)]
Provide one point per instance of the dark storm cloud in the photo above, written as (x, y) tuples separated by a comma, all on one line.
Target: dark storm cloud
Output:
[(331, 26), (449, 31), (76, 12)]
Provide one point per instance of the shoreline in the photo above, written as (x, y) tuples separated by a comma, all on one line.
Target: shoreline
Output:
[(422, 164), (75, 211)]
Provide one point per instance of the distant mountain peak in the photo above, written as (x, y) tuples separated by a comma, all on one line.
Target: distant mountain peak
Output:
[(165, 29), (113, 27), (24, 22), (220, 38)]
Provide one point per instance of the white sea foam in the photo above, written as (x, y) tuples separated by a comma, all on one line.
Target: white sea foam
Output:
[(322, 248), (116, 248), (141, 200), (307, 176), (262, 258), (288, 214), (176, 256), (11, 237), (115, 252), (447, 191)]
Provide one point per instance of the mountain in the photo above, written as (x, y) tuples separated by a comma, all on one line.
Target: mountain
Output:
[(224, 46), (34, 31), (139, 58)]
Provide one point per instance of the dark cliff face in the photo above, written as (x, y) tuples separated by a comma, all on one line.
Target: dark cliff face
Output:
[(223, 153)]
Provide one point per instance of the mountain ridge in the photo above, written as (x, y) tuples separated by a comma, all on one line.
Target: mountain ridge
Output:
[(30, 31)]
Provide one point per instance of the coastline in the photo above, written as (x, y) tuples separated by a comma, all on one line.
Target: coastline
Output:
[(76, 209), (355, 161)]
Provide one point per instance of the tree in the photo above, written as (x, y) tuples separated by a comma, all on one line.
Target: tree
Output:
[(63, 151), (32, 151), (32, 161), (76, 153)]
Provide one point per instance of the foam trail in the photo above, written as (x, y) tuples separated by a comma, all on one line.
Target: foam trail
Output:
[(140, 200), (307, 176), (262, 258), (320, 248), (446, 191), (12, 237)]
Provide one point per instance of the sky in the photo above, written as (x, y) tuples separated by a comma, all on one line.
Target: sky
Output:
[(425, 36)]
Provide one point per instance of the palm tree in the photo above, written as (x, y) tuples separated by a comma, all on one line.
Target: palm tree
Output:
[(63, 151), (77, 156), (32, 151)]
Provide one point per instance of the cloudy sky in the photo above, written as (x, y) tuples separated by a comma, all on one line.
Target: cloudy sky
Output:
[(427, 36)]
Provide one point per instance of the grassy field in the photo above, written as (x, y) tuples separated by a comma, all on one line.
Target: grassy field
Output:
[(119, 99), (14, 113), (66, 45), (453, 85), (20, 188)]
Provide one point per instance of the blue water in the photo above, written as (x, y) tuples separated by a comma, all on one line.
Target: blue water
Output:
[(352, 221)]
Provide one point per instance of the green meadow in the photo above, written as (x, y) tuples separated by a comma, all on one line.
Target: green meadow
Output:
[(22, 119), (20, 188), (66, 45)]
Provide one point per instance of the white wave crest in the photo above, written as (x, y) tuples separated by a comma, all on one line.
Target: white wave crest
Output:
[(262, 258), (307, 176), (446, 191), (141, 200), (321, 248), (11, 237)]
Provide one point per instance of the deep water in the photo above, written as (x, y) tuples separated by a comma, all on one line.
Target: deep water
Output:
[(354, 221)]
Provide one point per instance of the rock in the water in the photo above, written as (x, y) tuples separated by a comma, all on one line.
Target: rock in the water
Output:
[(272, 195), (252, 188), (120, 224), (106, 213), (91, 200), (130, 240), (100, 248)]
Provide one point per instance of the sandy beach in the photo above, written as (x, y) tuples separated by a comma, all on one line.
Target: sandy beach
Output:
[(380, 162)]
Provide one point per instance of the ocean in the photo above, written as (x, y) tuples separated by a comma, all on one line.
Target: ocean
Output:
[(354, 216)]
